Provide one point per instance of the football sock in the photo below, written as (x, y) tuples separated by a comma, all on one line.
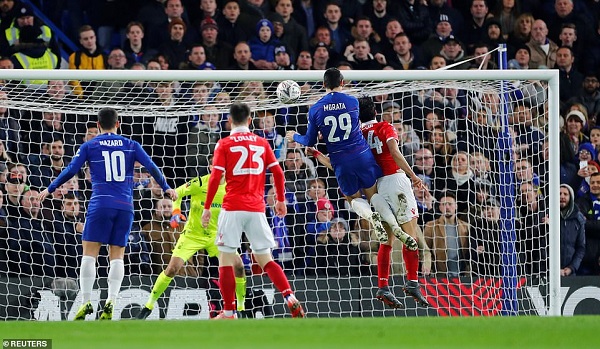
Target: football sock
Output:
[(362, 208), (383, 265), (161, 284), (411, 259), (87, 277), (384, 210), (227, 287), (116, 272), (240, 292), (278, 277)]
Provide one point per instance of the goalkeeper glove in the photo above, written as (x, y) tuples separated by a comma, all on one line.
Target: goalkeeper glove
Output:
[(176, 218)]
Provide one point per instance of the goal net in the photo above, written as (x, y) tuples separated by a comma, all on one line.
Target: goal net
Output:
[(484, 143)]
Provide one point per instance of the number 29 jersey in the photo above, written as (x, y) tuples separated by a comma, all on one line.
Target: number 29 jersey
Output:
[(377, 134), (245, 158)]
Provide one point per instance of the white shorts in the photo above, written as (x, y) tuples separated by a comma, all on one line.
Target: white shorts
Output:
[(231, 225), (397, 191)]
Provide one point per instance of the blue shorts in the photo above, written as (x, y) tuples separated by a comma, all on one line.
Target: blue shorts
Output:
[(108, 226), (361, 172)]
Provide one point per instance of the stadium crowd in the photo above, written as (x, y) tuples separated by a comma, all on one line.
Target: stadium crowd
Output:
[(451, 145)]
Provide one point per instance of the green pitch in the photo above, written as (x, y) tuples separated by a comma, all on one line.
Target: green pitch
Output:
[(496, 332)]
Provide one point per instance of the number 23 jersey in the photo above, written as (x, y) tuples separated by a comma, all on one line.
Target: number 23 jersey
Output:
[(245, 158)]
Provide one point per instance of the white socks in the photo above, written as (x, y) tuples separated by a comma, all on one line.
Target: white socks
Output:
[(384, 210), (116, 272), (87, 277)]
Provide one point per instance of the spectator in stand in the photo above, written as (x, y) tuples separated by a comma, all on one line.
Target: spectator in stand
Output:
[(294, 37), (253, 11), (243, 57), (14, 188), (572, 233), (363, 29), (439, 8), (589, 96), (532, 215), (10, 129), (448, 239), (483, 60), (461, 181), (304, 62), (31, 252), (588, 205), (575, 126), (322, 37), (107, 90), (453, 52), (522, 58), (12, 41), (32, 53), (415, 20), (262, 46), (337, 252), (392, 28), (208, 9), (218, 51), (521, 32), (307, 15), (135, 48), (437, 61), (486, 230), (507, 13), (362, 58), (68, 226), (433, 45), (282, 58), (407, 139), (340, 36), (196, 60), (475, 29), (404, 56), (568, 37), (379, 14), (264, 126), (175, 47), (425, 202), (51, 166), (543, 50), (570, 80), (297, 174), (440, 146), (230, 29), (587, 166), (564, 13), (423, 163), (89, 56), (325, 212), (160, 32), (8, 11), (321, 58), (163, 238), (528, 138)]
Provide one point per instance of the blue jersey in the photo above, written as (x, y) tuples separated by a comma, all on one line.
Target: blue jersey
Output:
[(111, 158), (335, 115)]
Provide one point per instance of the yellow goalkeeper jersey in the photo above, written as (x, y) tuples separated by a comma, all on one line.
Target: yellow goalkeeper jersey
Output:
[(196, 189)]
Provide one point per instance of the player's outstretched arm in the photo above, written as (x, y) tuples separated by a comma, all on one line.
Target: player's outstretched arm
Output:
[(403, 164), (279, 178), (78, 160), (213, 185), (310, 139), (324, 160)]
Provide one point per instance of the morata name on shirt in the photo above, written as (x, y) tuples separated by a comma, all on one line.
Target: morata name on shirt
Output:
[(334, 106), (112, 142)]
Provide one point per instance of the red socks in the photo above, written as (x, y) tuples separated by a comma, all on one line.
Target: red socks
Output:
[(227, 287), (278, 277), (383, 265), (411, 260)]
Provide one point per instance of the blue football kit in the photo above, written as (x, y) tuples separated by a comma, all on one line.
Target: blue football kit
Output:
[(335, 116), (111, 159)]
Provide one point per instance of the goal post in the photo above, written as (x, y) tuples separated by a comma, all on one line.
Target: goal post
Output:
[(490, 97)]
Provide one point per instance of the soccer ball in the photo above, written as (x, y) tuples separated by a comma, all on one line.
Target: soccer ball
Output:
[(288, 91)]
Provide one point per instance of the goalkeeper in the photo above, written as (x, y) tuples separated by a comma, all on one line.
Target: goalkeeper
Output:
[(194, 238)]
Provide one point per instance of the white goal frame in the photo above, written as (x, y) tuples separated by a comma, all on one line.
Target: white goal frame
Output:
[(551, 76)]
